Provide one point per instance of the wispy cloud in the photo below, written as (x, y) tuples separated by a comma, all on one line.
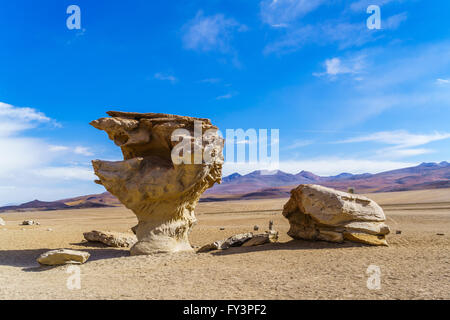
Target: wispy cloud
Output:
[(278, 13), (298, 144), (400, 138), (211, 80), (338, 66), (402, 142), (211, 33), (33, 166), (165, 77), (225, 96), (361, 5), (443, 81)]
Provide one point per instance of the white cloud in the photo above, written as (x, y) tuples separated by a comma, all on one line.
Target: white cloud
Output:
[(402, 142), (211, 80), (58, 148), (31, 166), (400, 138), (329, 31), (361, 5), (298, 144), (210, 33), (225, 96), (278, 13), (83, 151), (394, 21), (338, 66), (165, 77), (443, 81), (66, 173), (14, 119)]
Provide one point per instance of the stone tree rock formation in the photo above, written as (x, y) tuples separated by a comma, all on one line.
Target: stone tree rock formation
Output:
[(169, 161), (319, 213)]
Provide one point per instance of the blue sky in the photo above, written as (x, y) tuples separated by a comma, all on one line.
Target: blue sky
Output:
[(345, 98)]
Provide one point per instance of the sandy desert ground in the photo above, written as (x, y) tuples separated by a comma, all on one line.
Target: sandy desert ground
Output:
[(416, 265)]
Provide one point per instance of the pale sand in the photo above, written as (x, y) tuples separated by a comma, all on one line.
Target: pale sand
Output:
[(415, 266)]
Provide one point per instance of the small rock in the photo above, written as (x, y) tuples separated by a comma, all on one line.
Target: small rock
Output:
[(30, 223), (440, 234), (112, 239), (260, 239), (222, 228), (2, 222), (270, 225), (234, 241), (63, 256), (365, 238), (398, 232), (49, 229), (255, 228)]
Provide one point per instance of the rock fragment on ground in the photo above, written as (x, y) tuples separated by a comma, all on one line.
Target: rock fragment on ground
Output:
[(243, 239), (63, 256), (30, 223), (319, 213), (111, 239), (2, 222), (260, 239)]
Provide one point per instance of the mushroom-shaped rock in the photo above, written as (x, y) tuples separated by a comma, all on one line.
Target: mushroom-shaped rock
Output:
[(169, 161), (319, 213)]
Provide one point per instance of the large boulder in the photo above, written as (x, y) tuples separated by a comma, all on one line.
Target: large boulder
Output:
[(63, 256), (158, 184), (111, 239), (319, 213)]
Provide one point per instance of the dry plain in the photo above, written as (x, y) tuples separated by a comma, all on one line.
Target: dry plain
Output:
[(416, 265)]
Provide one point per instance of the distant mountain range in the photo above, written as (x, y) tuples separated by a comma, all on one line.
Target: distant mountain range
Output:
[(258, 184)]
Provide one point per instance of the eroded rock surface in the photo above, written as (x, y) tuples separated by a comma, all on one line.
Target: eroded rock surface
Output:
[(162, 193), (243, 239), (111, 239), (319, 213), (63, 256)]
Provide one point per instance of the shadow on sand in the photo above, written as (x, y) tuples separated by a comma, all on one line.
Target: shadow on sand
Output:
[(290, 245), (26, 259)]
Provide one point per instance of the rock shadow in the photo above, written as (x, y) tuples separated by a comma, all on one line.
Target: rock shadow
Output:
[(290, 245), (26, 259)]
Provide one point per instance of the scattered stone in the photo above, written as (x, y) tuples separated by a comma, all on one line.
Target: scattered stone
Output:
[(63, 256), (163, 195), (2, 222), (398, 232), (112, 239), (234, 241), (260, 239), (440, 234), (270, 225), (221, 228), (255, 228), (319, 213), (49, 229), (366, 238), (30, 223)]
